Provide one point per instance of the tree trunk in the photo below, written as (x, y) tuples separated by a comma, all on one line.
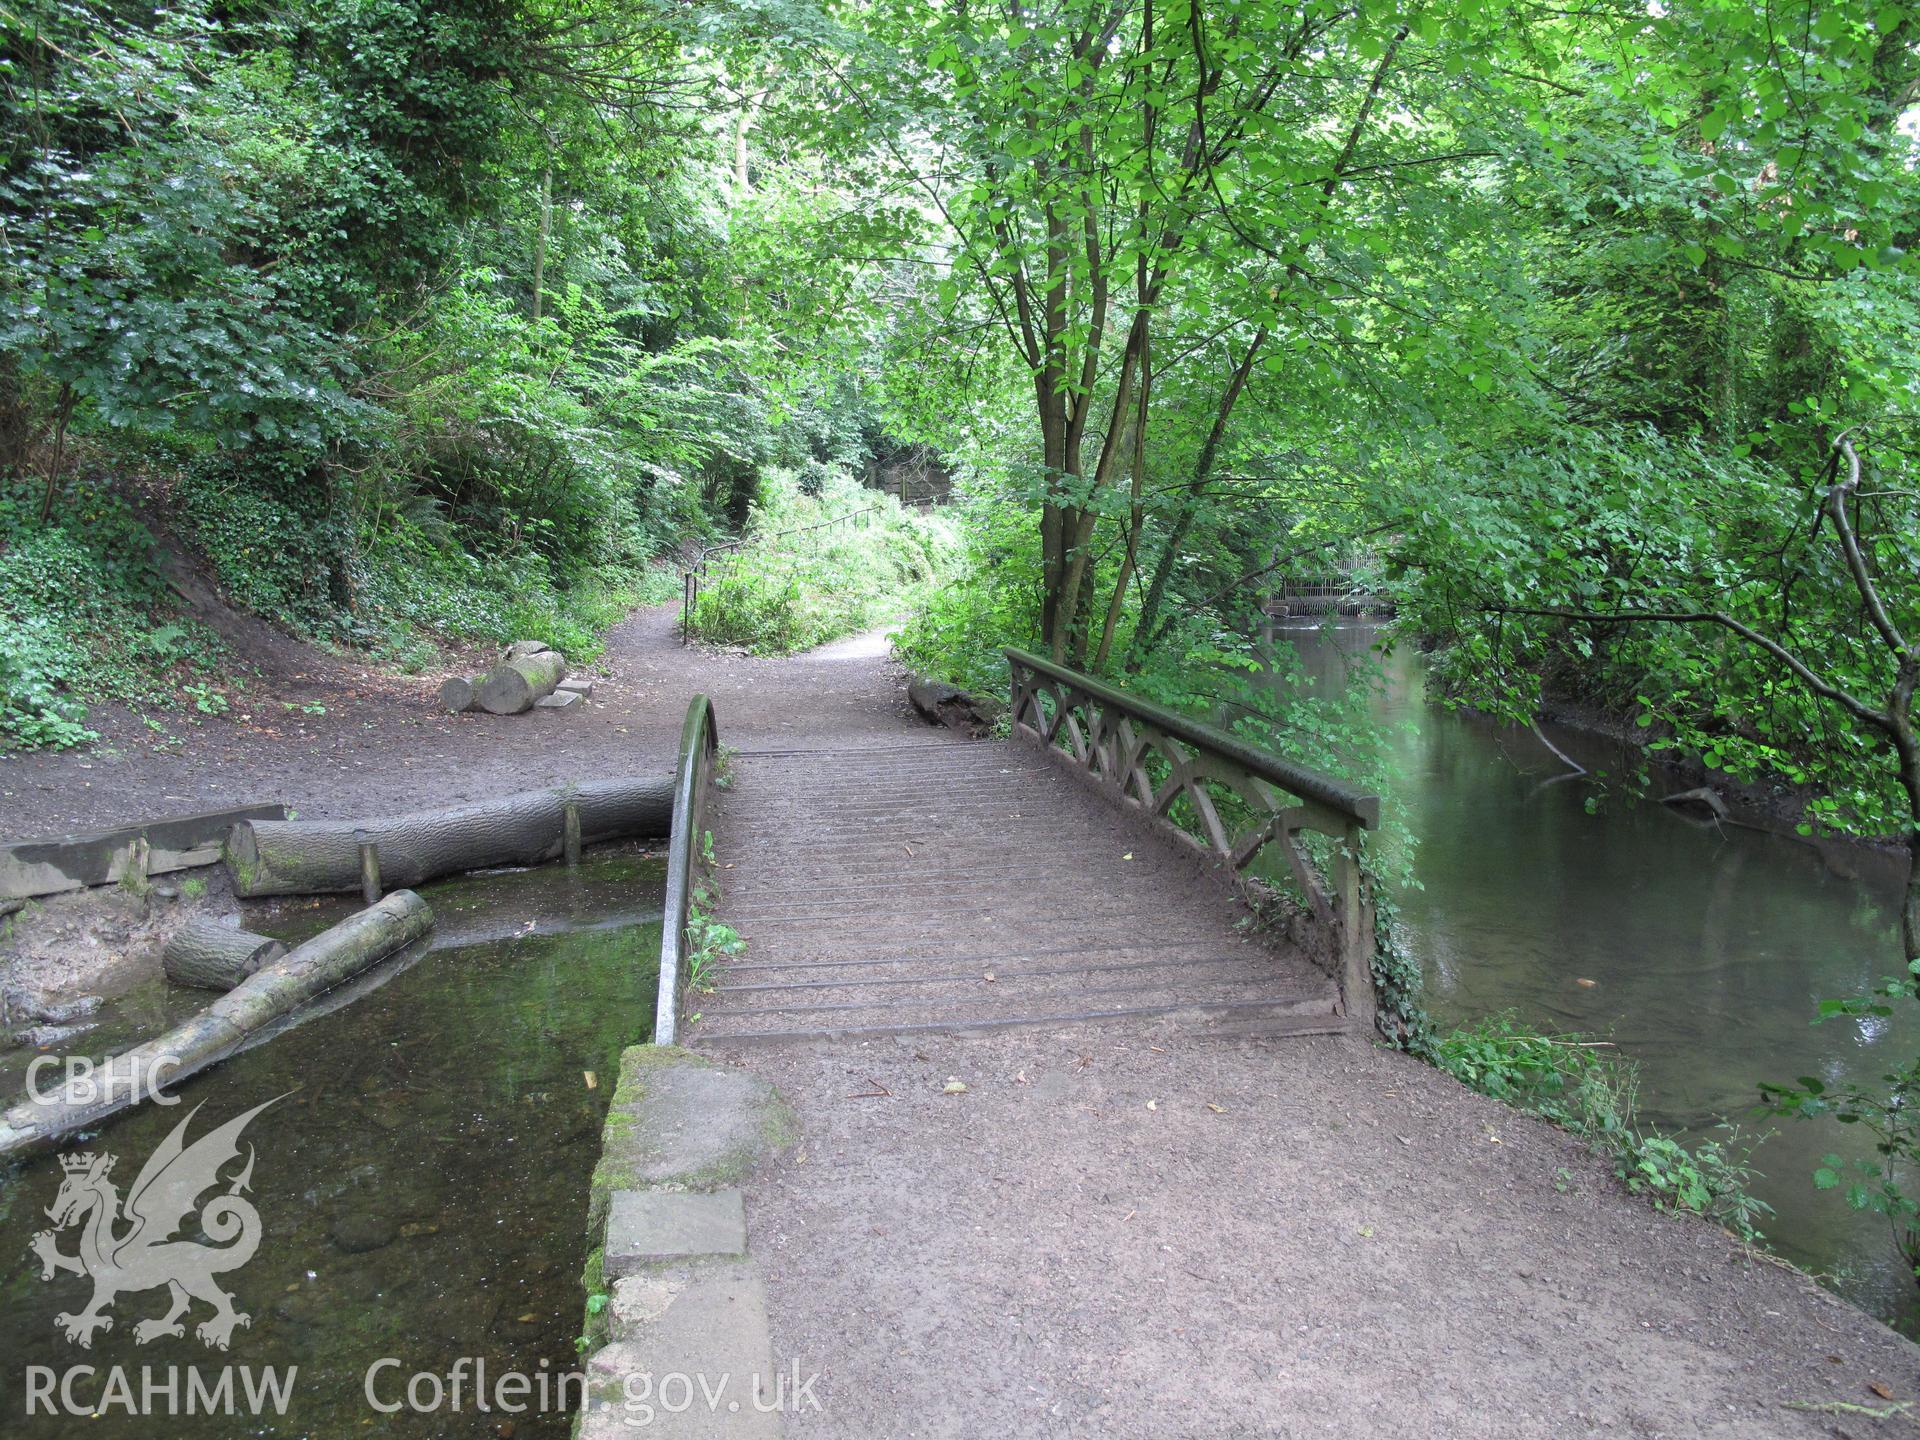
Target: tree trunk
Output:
[(511, 687), (207, 955), (220, 1030), (1145, 635), (311, 857), (545, 234)]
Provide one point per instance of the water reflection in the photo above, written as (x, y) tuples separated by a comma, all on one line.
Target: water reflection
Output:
[(1709, 947)]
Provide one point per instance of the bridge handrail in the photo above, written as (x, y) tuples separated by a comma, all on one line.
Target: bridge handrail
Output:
[(1111, 735), (1336, 795), (699, 745)]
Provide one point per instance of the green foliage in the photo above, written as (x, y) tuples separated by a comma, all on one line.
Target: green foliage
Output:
[(1889, 1112), (84, 616), (1571, 1083), (805, 575), (709, 941)]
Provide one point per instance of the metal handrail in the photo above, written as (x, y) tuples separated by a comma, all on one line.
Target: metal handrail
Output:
[(699, 744), (1336, 795)]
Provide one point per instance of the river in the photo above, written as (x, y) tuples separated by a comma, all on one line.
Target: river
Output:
[(1709, 947)]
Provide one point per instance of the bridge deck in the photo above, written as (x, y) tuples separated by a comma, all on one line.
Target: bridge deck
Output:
[(959, 886)]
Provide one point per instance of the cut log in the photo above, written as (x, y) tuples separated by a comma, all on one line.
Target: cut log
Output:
[(511, 687), (211, 956), (222, 1028), (520, 649), (313, 857), (457, 694)]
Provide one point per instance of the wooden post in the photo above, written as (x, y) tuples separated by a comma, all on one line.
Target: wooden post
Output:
[(570, 832), (139, 857), (369, 867), (1356, 931)]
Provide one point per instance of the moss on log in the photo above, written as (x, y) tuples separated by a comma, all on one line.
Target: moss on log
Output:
[(511, 687), (276, 989), (310, 857), (211, 956)]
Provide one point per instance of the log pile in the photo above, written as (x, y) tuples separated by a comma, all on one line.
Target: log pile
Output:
[(529, 674)]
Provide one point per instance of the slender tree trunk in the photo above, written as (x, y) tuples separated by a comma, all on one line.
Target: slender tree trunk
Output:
[(1202, 472), (546, 232), (62, 417)]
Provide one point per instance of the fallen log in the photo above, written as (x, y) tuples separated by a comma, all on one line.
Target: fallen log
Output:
[(276, 989), (519, 649), (211, 956), (511, 687), (312, 857), (456, 695)]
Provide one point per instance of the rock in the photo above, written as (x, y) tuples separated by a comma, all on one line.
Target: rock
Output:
[(358, 1233), (166, 892), (957, 709), (29, 1006), (578, 685), (1704, 796), (558, 700), (645, 1227), (45, 1037)]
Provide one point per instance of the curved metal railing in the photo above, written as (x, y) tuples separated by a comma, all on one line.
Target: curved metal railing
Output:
[(699, 745)]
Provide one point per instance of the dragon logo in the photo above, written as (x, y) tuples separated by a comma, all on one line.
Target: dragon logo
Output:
[(145, 1254)]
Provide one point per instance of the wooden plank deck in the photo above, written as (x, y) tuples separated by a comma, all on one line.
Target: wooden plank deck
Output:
[(955, 886)]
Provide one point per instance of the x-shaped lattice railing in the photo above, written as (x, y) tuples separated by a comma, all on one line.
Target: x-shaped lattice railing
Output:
[(1118, 737)]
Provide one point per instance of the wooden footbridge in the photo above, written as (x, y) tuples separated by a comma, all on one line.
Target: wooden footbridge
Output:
[(1111, 860)]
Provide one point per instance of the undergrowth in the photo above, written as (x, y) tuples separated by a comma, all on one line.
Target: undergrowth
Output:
[(784, 592), (1577, 1085), (85, 616)]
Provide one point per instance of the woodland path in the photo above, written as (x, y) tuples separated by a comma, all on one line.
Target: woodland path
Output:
[(1143, 1228)]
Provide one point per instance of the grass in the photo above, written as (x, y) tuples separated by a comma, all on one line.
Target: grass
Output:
[(780, 593), (1585, 1089)]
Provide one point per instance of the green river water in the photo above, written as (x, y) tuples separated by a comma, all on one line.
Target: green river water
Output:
[(1709, 948), (421, 1188)]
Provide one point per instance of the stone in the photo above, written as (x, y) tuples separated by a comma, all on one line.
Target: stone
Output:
[(558, 700), (357, 1234), (578, 684), (46, 1037), (711, 1328), (645, 1227), (679, 1119)]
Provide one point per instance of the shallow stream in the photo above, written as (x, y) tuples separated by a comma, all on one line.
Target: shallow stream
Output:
[(421, 1184)]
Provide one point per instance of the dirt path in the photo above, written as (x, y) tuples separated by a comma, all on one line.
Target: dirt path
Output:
[(382, 744), (1122, 1231)]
